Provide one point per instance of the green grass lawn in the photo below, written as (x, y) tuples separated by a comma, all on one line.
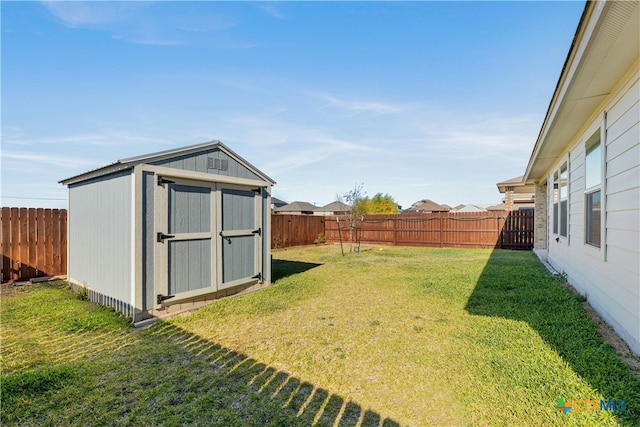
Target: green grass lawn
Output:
[(390, 336)]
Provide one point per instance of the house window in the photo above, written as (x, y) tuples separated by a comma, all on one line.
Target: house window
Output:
[(563, 199), (593, 190), (555, 203)]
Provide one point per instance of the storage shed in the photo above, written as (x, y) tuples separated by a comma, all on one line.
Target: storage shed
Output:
[(170, 231)]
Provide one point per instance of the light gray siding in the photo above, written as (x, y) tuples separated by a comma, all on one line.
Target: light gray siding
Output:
[(189, 265), (238, 252), (238, 259), (189, 209), (199, 163), (100, 235), (238, 210), (189, 258), (608, 275)]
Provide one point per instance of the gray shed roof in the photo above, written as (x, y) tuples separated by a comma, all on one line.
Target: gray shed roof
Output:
[(130, 162)]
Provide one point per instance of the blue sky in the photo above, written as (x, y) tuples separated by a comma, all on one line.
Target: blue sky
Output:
[(436, 100)]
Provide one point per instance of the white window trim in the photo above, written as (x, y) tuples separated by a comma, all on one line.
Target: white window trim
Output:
[(565, 161), (600, 252), (588, 144)]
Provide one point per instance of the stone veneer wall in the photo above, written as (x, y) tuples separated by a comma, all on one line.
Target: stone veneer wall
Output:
[(540, 217), (508, 200)]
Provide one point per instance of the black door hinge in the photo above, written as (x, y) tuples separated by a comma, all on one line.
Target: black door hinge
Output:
[(161, 236), (258, 232), (258, 276), (162, 181), (162, 298)]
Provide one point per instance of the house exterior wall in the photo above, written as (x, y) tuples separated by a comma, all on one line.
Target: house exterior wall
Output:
[(609, 276), (100, 237)]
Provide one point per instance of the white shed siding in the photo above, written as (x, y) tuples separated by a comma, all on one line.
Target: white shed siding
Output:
[(100, 235), (609, 276)]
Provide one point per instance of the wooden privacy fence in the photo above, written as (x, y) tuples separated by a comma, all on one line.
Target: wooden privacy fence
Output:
[(295, 230), (33, 243), (505, 230)]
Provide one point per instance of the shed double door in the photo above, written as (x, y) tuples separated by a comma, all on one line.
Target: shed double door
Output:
[(207, 238)]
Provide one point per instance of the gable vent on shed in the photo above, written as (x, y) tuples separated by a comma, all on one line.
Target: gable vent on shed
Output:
[(218, 164)]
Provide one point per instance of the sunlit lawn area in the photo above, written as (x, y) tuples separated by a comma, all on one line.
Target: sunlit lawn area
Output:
[(389, 336)]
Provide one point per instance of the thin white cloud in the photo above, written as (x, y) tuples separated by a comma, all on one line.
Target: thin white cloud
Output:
[(76, 14), (272, 9), (479, 134), (168, 24), (106, 139), (296, 160), (13, 159), (359, 106)]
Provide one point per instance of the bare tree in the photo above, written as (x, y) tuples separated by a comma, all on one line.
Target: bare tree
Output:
[(354, 199)]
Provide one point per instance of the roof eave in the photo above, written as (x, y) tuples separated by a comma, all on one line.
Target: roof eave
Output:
[(603, 55), (130, 162), (562, 79)]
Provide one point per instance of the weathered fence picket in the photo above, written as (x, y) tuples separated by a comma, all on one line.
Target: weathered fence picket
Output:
[(33, 243)]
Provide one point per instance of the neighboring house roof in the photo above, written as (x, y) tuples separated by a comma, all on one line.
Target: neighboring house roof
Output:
[(297, 207), (130, 162), (426, 205), (517, 185), (334, 207), (277, 203), (604, 48), (471, 208), (500, 207)]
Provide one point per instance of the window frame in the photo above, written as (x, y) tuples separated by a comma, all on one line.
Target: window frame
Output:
[(555, 196), (563, 214), (592, 144), (560, 200)]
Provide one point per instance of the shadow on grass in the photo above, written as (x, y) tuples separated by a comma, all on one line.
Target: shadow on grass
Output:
[(299, 402), (163, 374), (281, 268), (512, 289)]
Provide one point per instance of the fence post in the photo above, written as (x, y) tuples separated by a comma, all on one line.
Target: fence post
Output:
[(395, 231)]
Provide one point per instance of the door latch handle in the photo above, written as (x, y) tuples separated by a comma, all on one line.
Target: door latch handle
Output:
[(162, 236)]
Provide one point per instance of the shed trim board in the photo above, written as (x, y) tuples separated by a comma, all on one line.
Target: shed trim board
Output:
[(138, 275), (199, 257)]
